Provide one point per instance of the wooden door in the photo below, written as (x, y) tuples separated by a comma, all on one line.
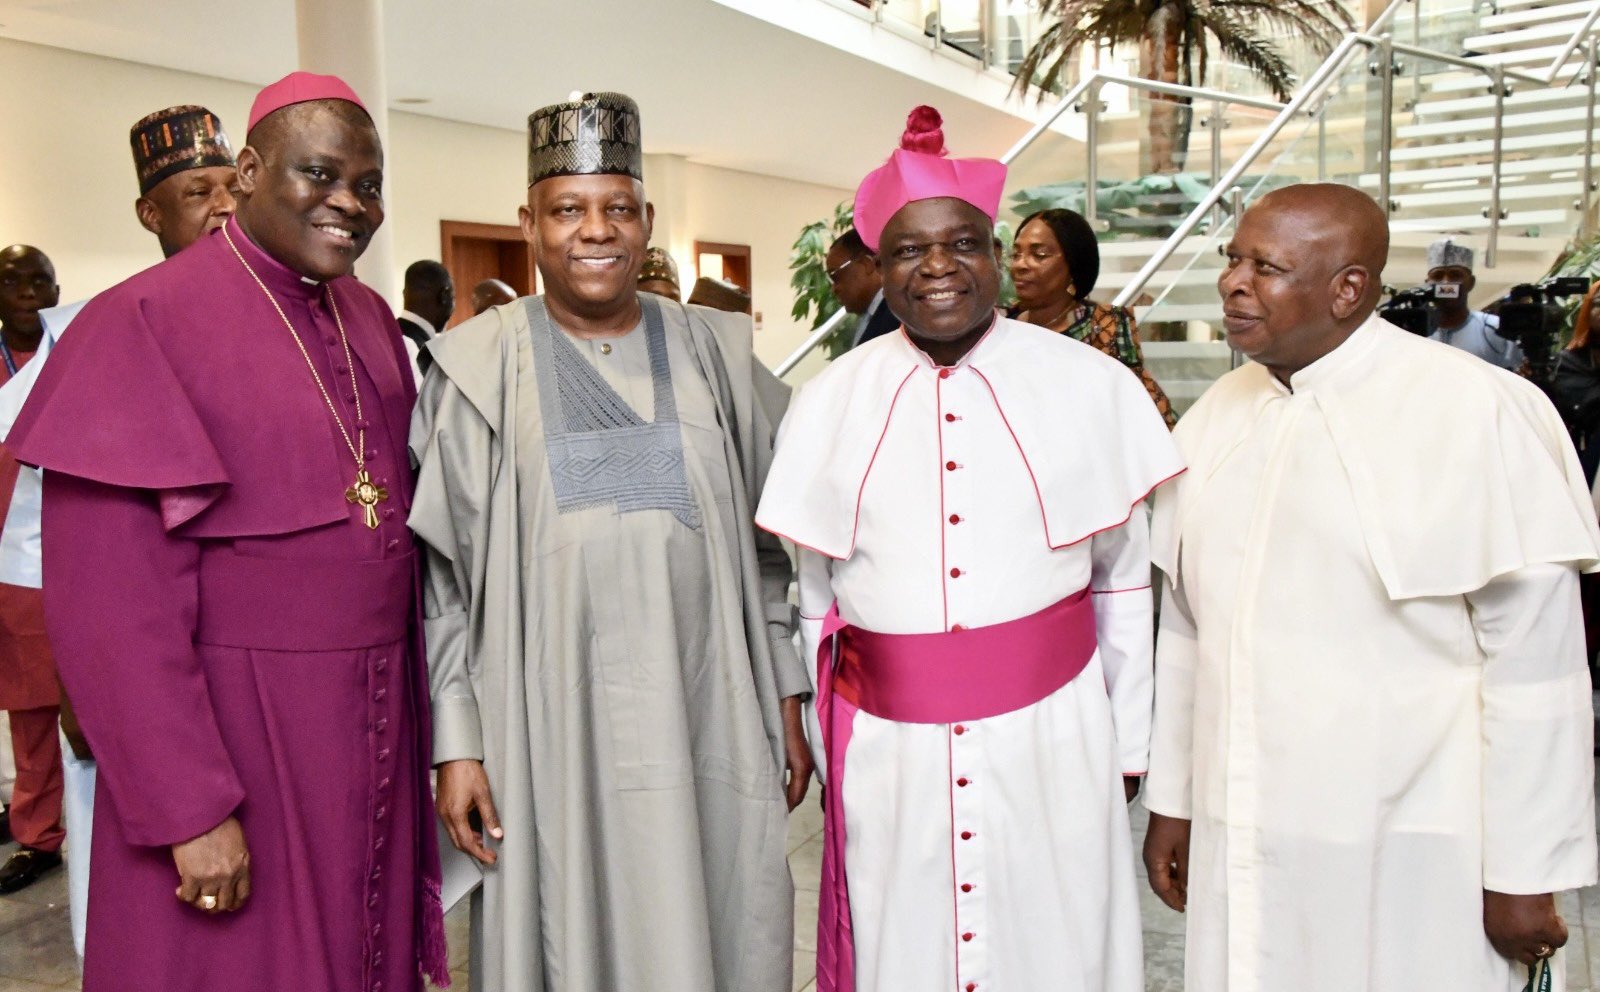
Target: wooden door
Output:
[(719, 260), (475, 252)]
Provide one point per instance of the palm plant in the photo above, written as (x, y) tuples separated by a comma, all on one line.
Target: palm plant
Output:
[(1174, 39)]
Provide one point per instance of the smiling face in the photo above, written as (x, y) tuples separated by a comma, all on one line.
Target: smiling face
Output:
[(940, 276), (589, 235), (1038, 267), (1301, 275), (311, 182), (188, 204)]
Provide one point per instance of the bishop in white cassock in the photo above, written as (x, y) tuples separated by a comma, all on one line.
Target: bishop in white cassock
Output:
[(1371, 765), (968, 501)]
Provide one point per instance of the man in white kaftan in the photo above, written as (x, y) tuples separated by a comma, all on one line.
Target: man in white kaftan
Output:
[(947, 481), (1371, 763)]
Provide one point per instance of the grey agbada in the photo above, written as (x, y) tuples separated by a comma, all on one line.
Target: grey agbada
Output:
[(616, 660)]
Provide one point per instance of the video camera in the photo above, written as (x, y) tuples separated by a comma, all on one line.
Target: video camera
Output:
[(1530, 316), (1415, 310)]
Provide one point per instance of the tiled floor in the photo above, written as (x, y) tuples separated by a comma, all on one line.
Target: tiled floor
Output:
[(36, 945)]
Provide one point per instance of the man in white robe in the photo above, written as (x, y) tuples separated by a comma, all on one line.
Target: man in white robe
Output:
[(955, 491), (1371, 764)]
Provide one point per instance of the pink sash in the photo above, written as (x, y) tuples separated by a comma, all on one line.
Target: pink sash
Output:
[(926, 678)]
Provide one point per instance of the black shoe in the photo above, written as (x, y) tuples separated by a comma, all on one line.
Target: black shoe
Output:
[(25, 867), (5, 824)]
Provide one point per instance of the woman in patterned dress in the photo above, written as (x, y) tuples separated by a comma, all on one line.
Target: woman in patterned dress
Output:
[(1054, 264)]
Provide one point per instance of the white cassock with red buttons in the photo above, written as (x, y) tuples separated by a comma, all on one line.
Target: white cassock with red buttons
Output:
[(993, 853)]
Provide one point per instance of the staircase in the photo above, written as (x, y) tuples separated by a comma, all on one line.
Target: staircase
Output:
[(1441, 129)]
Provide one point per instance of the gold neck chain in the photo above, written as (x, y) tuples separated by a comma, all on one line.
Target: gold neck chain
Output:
[(363, 491)]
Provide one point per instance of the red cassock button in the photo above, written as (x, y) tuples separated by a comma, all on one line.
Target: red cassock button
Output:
[(949, 418), (966, 886), (966, 936), (966, 835), (972, 987), (958, 626), (949, 466), (961, 782), (955, 518), (955, 573), (944, 373), (960, 730)]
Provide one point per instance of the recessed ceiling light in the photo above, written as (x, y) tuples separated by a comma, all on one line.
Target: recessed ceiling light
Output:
[(414, 100)]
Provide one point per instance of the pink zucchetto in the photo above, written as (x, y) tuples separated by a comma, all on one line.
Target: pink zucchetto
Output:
[(300, 87), (920, 169)]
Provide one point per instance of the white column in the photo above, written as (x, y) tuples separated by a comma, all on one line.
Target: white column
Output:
[(344, 38)]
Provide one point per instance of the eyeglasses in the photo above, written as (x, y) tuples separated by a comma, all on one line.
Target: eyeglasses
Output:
[(1037, 254), (833, 274)]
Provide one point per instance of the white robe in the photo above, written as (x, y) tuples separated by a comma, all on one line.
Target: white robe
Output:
[(1053, 447), (1371, 698)]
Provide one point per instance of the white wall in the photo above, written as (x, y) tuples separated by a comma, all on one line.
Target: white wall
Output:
[(68, 184), (699, 202)]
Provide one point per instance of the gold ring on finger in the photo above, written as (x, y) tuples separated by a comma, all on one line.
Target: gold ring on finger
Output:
[(208, 903)]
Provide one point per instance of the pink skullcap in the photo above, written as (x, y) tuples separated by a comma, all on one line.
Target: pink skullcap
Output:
[(920, 170), (300, 87)]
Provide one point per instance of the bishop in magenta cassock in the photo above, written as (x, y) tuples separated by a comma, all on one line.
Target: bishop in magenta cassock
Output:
[(968, 500), (231, 589)]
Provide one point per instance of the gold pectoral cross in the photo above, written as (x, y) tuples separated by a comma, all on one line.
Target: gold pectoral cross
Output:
[(369, 494)]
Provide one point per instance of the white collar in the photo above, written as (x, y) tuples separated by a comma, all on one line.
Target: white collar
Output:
[(421, 322)]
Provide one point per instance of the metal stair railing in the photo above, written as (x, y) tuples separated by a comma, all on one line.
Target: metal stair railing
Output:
[(1308, 100), (1386, 47)]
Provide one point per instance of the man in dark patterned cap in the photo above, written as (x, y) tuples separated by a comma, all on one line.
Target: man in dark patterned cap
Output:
[(187, 181), (615, 689), (660, 275)]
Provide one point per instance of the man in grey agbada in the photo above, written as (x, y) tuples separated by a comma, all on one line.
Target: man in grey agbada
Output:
[(615, 690)]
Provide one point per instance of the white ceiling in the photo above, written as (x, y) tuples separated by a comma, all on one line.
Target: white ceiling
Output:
[(713, 84)]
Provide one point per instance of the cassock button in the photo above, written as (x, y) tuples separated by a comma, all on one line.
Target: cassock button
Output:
[(972, 987), (955, 573), (955, 518), (380, 665), (383, 755), (605, 349), (395, 543), (378, 986), (377, 696), (372, 900), (966, 835), (967, 936), (381, 725), (944, 373), (377, 845), (377, 959), (955, 627), (380, 812), (961, 782), (949, 418), (966, 886), (332, 342), (949, 466), (388, 514), (377, 931), (960, 730), (341, 368), (349, 397), (384, 785)]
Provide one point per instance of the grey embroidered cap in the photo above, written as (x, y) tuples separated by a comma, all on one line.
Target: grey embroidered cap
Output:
[(1447, 251), (597, 134)]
